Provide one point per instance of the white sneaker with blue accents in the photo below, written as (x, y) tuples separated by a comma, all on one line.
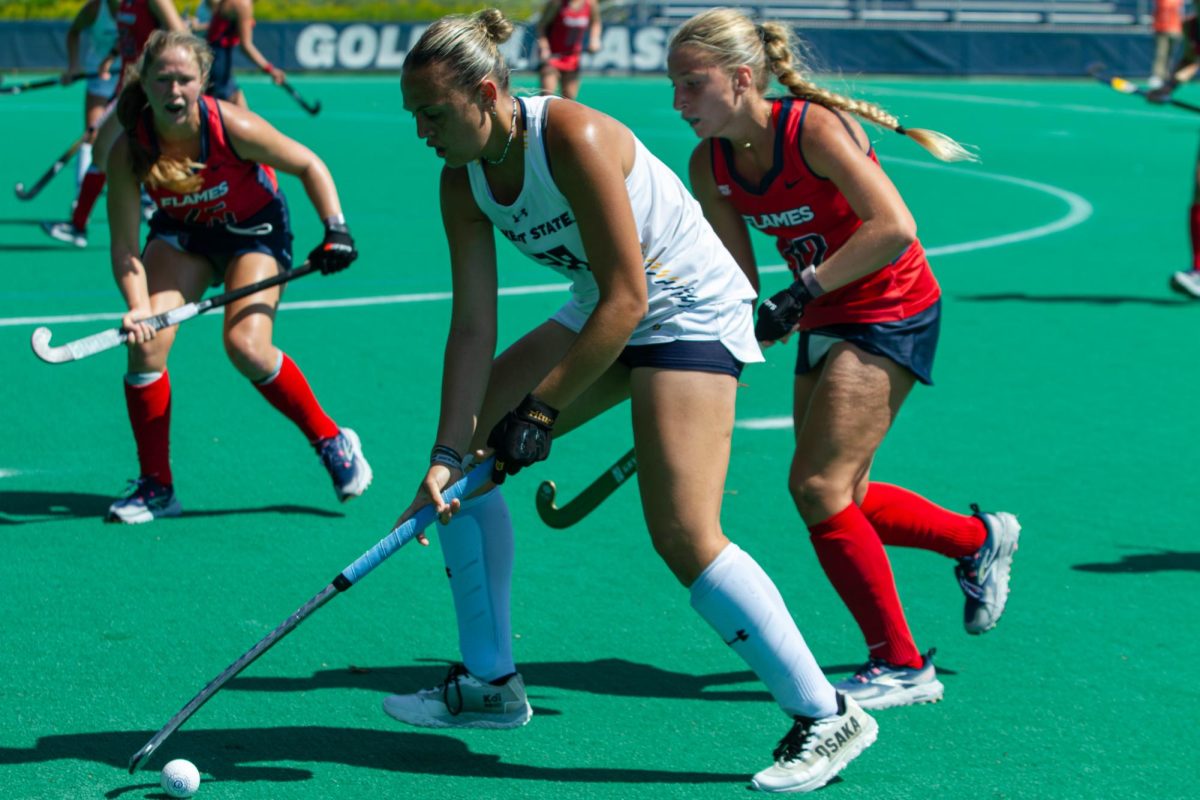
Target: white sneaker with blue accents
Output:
[(879, 684), (984, 576)]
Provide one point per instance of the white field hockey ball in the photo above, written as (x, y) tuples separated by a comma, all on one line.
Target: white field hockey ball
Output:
[(180, 778)]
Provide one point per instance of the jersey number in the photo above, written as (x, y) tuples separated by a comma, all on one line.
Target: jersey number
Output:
[(561, 257), (807, 251), (217, 215)]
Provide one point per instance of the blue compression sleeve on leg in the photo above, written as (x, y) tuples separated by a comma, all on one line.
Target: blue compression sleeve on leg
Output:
[(477, 547)]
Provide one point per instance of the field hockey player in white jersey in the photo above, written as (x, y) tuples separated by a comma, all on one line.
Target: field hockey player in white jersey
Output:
[(659, 312)]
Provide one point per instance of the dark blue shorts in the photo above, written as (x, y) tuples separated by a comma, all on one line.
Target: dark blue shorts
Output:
[(910, 342), (268, 232), (683, 355), (221, 83)]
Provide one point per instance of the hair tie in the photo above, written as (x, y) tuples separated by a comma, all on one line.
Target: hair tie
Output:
[(900, 130), (761, 31)]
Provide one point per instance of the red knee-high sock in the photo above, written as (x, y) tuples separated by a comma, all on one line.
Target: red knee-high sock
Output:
[(89, 191), (150, 416), (289, 392), (852, 556), (1194, 226), (904, 518)]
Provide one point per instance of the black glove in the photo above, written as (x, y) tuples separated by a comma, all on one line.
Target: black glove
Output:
[(779, 314), (336, 252), (522, 437)]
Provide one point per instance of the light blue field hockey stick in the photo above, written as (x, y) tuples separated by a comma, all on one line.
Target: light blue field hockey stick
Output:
[(368, 561)]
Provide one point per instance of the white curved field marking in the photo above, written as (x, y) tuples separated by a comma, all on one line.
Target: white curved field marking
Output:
[(1078, 209)]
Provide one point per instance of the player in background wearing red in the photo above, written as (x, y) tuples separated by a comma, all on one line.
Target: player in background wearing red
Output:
[(1167, 25), (561, 31), (136, 20), (866, 308), (96, 20), (210, 167), (230, 25)]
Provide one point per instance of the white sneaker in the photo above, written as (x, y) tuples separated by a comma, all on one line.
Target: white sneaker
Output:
[(984, 576), (814, 751), (463, 701), (343, 458), (1187, 282), (145, 501), (1154, 82), (880, 684), (66, 232)]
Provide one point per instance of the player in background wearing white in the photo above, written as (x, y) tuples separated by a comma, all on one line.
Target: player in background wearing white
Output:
[(95, 21), (867, 310), (659, 312)]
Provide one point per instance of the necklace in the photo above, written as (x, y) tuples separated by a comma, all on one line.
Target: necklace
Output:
[(512, 134)]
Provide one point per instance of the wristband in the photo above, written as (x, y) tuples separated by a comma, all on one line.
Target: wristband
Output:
[(808, 277), (446, 456), (335, 220), (269, 68)]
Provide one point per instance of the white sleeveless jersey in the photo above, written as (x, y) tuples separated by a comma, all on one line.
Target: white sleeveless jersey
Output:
[(695, 289), (101, 38)]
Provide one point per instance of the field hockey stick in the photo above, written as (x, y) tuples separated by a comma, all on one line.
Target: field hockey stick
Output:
[(44, 83), (351, 575), (106, 340), (55, 168), (1129, 87), (587, 500), (312, 108)]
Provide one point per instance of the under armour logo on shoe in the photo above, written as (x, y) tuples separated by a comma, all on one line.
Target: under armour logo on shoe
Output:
[(740, 636)]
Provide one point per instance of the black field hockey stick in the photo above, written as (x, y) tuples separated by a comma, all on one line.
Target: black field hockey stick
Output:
[(312, 108), (31, 192), (587, 500), (114, 337), (1129, 87), (44, 83), (351, 575)]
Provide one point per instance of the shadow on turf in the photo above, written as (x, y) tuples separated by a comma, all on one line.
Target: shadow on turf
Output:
[(1162, 561), (50, 506), (225, 755), (1091, 299), (607, 676)]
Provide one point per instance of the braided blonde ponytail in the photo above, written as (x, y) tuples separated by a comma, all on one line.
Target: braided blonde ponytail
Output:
[(772, 49)]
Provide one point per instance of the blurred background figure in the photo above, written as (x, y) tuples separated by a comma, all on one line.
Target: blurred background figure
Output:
[(96, 21), (227, 24), (561, 30), (1168, 30)]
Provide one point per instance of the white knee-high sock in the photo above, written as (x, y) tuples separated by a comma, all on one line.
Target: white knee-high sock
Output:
[(741, 603), (82, 162), (477, 547)]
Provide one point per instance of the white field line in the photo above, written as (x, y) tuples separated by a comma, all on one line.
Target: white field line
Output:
[(1078, 210)]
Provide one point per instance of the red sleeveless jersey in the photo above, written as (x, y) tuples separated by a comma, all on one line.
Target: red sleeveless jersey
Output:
[(569, 28), (222, 31), (810, 219), (233, 190), (135, 23)]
